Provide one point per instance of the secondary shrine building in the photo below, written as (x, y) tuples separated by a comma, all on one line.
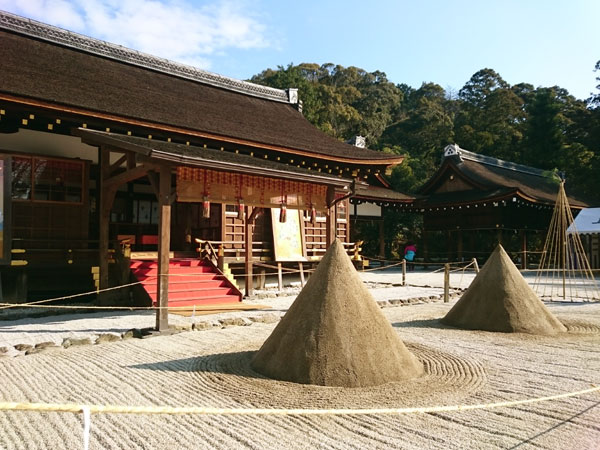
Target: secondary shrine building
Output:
[(106, 150), (473, 202)]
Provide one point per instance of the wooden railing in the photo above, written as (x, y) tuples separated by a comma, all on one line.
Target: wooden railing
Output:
[(233, 251)]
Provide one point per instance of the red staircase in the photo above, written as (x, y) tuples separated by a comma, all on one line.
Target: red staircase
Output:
[(191, 282)]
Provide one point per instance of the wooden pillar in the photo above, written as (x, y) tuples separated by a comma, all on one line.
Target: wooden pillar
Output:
[(499, 236), (425, 246), (381, 239), (459, 244), (448, 245), (164, 241), (107, 197), (524, 249), (248, 228), (331, 223)]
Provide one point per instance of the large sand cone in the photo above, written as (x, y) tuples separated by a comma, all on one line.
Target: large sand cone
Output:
[(499, 299), (334, 334)]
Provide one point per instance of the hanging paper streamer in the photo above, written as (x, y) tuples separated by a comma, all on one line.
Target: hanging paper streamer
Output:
[(283, 213), (206, 207), (193, 184), (240, 209)]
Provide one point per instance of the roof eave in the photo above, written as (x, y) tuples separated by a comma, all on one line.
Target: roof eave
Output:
[(388, 162)]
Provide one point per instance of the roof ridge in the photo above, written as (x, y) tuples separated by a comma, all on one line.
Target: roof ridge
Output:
[(455, 150), (56, 35)]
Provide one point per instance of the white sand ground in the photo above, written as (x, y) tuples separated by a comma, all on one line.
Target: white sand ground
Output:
[(210, 368)]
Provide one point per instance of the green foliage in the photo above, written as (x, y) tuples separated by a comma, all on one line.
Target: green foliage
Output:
[(343, 102), (543, 127)]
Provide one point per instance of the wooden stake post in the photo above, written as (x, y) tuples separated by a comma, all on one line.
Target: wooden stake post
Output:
[(446, 283), (164, 233)]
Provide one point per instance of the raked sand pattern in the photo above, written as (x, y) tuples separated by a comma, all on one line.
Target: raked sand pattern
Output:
[(211, 368)]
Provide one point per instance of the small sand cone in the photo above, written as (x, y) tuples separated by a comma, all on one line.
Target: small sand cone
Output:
[(499, 299), (334, 334)]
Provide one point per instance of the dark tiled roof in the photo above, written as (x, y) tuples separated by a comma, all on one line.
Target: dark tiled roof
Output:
[(52, 72), (207, 157), (492, 178), (461, 197), (376, 193)]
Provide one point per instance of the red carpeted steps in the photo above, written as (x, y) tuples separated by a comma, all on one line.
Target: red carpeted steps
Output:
[(191, 282)]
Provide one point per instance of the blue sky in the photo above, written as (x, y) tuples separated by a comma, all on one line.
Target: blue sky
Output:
[(542, 42)]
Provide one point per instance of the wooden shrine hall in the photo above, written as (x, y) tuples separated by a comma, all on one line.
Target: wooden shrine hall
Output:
[(112, 148), (475, 201)]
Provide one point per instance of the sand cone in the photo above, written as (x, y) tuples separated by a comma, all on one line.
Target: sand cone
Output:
[(334, 334), (499, 299)]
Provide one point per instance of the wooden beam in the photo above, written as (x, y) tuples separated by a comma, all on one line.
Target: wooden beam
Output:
[(248, 228), (255, 212), (164, 233), (114, 166), (129, 175)]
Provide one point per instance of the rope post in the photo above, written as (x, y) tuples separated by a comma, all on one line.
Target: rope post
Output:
[(446, 283), (279, 277), (476, 265), (403, 272)]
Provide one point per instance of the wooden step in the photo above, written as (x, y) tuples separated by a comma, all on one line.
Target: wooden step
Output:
[(191, 282)]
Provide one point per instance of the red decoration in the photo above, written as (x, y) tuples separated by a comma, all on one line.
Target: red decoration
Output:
[(206, 208), (240, 209), (283, 213)]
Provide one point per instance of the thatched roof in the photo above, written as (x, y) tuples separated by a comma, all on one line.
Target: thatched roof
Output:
[(52, 65), (485, 178)]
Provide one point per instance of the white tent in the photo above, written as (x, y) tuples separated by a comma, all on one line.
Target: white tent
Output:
[(586, 222)]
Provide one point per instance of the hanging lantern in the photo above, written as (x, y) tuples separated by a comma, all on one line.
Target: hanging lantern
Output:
[(283, 213), (313, 214), (206, 208), (240, 209)]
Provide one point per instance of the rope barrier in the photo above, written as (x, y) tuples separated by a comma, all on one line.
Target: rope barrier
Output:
[(197, 410), (40, 303)]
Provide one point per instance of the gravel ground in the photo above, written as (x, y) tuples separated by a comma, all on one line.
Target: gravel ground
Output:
[(211, 368)]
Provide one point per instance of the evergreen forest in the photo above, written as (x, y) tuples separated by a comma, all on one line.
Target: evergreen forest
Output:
[(543, 127)]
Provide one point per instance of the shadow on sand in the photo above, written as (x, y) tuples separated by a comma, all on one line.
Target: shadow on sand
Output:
[(235, 363), (425, 323)]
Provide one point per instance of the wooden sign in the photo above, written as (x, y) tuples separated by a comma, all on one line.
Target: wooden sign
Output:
[(288, 242)]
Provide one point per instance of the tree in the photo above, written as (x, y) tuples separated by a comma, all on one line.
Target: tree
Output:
[(490, 117), (423, 130), (341, 101)]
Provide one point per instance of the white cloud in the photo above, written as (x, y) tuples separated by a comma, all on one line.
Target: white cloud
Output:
[(173, 29)]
